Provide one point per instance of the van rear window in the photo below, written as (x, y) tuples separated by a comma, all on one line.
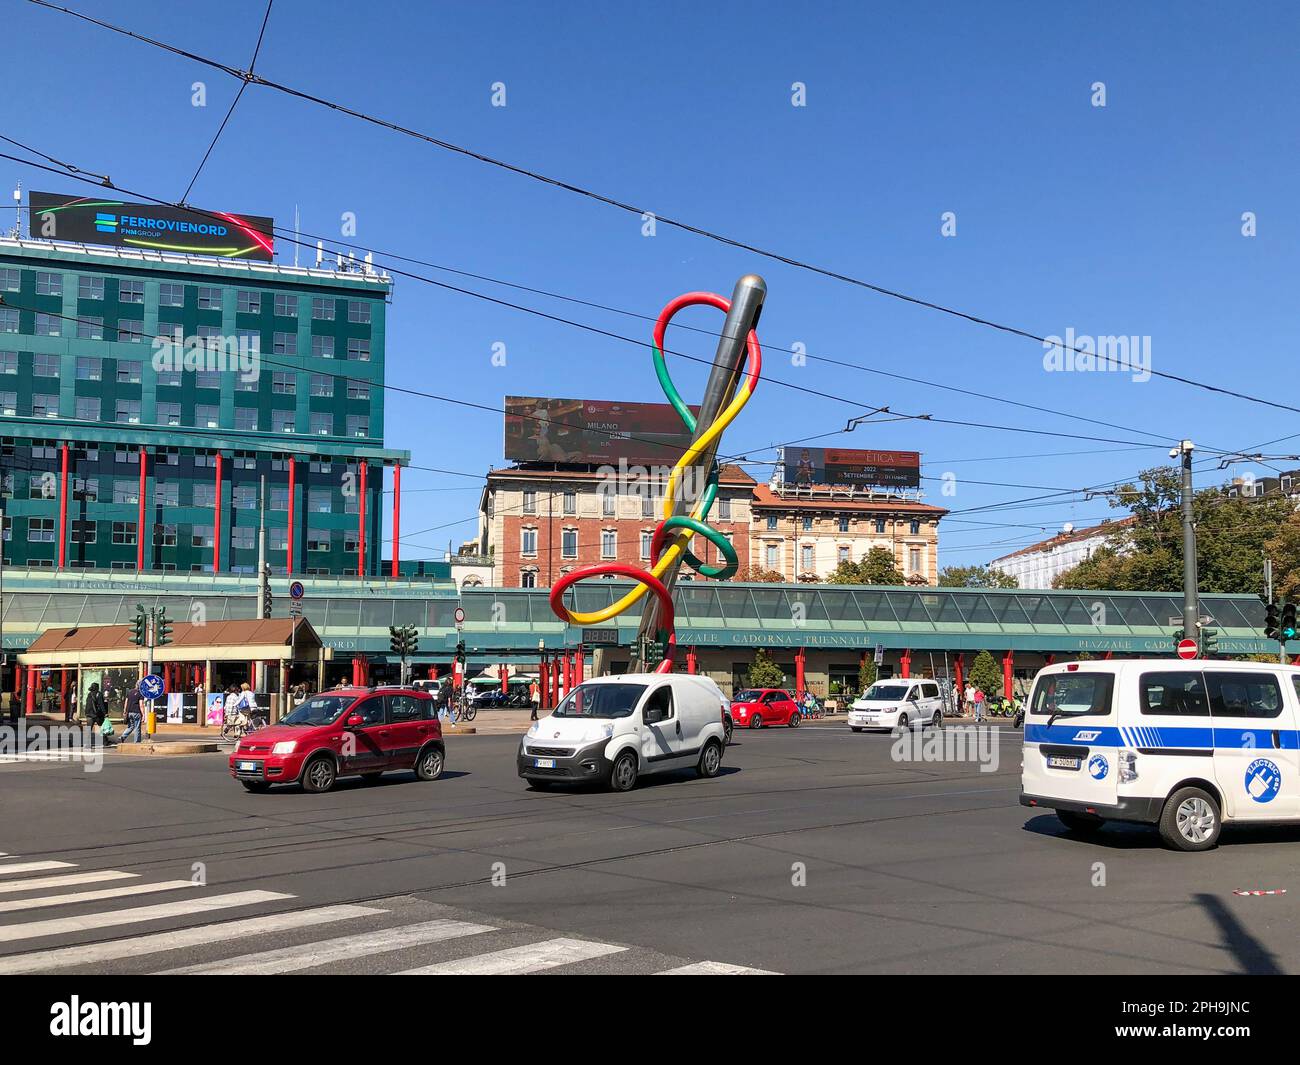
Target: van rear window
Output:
[(1073, 693)]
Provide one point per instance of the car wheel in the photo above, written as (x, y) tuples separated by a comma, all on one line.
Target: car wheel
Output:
[(855, 728), (710, 759), (1190, 821), (256, 785), (794, 720), (727, 729), (319, 774), (623, 776), (756, 721), (428, 766), (903, 722), (937, 719), (1083, 823)]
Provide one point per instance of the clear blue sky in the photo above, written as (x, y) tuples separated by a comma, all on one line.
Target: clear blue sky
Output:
[(1119, 220)]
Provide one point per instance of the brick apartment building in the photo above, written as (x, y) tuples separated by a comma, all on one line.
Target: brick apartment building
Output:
[(539, 523)]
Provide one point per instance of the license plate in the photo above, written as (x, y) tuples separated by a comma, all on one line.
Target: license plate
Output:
[(544, 763), (1057, 761), (248, 767)]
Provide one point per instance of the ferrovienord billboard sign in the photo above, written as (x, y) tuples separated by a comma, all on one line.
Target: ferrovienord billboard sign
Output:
[(99, 220)]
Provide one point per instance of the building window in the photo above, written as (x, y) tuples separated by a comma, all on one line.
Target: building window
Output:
[(246, 418), (130, 331), (916, 527), (771, 523), (844, 523), (10, 279), (207, 379), (359, 349), (359, 312), (528, 579), (9, 404), (123, 532), (90, 327), (130, 291), (171, 295), (209, 299), (45, 405), (128, 412), (90, 288), (47, 325), (8, 362), (322, 384), (8, 320), (646, 539), (204, 494), (40, 530), (206, 459), (569, 501), (608, 502), (322, 347), (322, 309), (88, 408), (84, 532), (202, 536), (913, 560), (286, 305), (806, 557), (126, 492), (164, 536), (528, 543), (284, 343), (167, 495), (42, 365), (320, 500), (569, 543), (358, 426), (773, 555), (880, 526), (318, 539), (842, 553), (724, 508), (807, 523), (322, 424), (608, 543), (129, 371), (283, 421), (279, 497), (530, 501), (168, 379), (48, 284), (245, 384), (248, 302), (242, 538)]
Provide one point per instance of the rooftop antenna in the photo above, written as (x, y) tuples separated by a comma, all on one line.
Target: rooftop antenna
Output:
[(320, 253), (295, 235), (17, 233), (370, 262)]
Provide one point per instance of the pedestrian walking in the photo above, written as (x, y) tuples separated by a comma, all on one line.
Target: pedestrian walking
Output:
[(979, 705), (535, 698), (70, 706), (968, 699), (95, 709), (134, 716)]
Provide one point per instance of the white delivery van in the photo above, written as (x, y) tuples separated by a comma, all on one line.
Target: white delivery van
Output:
[(889, 704), (613, 730), (1188, 746)]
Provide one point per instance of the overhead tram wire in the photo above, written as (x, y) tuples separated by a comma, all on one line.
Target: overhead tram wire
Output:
[(252, 63), (249, 76)]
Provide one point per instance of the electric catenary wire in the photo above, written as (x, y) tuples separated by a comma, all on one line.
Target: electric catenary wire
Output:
[(681, 527)]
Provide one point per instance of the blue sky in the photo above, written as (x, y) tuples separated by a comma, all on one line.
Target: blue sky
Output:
[(1122, 220)]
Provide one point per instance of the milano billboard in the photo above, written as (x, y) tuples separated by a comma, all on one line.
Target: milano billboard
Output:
[(95, 220), (598, 432), (838, 465)]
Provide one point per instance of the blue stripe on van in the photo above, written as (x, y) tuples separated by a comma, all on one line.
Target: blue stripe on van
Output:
[(1198, 737)]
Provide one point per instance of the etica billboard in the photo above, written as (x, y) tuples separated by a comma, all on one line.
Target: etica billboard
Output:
[(596, 432), (119, 224), (838, 465)]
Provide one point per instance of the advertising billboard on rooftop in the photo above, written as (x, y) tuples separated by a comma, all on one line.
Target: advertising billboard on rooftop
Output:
[(596, 432), (119, 224), (838, 465)]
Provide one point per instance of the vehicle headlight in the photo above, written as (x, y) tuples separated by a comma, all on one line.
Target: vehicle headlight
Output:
[(284, 747), (608, 731), (532, 729)]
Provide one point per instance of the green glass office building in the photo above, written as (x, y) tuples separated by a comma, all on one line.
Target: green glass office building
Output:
[(119, 450)]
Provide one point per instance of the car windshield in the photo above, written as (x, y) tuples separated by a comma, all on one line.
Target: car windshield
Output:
[(749, 695), (601, 700), (319, 710), (880, 693)]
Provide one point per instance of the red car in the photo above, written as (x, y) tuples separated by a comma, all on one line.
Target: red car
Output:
[(346, 732), (756, 707)]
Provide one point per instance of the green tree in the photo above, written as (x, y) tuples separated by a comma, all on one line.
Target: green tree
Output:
[(759, 575), (763, 672), (866, 673), (975, 577), (877, 567), (1284, 550), (986, 675)]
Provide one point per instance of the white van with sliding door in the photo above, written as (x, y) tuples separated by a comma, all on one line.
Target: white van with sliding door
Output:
[(614, 730), (1187, 746)]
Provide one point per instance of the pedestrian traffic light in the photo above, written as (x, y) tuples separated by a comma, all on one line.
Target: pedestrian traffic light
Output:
[(1288, 628), (1271, 625), (1209, 641), (162, 628), (139, 626)]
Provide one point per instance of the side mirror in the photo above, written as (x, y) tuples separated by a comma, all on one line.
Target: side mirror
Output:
[(355, 721)]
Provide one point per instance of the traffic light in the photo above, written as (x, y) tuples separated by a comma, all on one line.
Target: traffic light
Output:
[(162, 628), (397, 641), (1288, 628), (1271, 625), (1209, 641), (412, 639), (460, 651), (652, 653), (139, 626), (1178, 636), (266, 591)]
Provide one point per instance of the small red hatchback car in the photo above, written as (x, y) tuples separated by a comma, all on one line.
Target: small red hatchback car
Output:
[(756, 707), (344, 732)]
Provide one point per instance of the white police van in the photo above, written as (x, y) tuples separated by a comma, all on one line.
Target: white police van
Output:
[(614, 730), (1188, 746)]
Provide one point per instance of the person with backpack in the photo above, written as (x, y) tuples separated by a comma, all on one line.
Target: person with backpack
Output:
[(95, 709)]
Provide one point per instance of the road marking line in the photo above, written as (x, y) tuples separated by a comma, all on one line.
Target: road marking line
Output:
[(109, 918), (74, 897), (32, 867), (715, 968), (158, 942), (67, 880), (309, 955), (515, 961)]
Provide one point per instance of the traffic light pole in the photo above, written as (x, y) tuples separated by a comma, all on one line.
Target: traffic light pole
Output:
[(1191, 605)]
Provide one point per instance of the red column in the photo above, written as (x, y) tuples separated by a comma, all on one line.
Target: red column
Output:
[(542, 682), (1048, 659), (1108, 656), (397, 515), (139, 532), (31, 692), (288, 558), (906, 663), (63, 690), (361, 525), (216, 523), (581, 668), (799, 661), (1008, 661), (63, 507), (959, 663), (433, 672), (692, 664), (505, 679)]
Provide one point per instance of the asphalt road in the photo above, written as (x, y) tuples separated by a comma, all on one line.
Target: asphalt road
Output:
[(814, 851)]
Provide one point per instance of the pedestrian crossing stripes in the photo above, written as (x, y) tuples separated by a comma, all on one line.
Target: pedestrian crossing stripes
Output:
[(404, 936)]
